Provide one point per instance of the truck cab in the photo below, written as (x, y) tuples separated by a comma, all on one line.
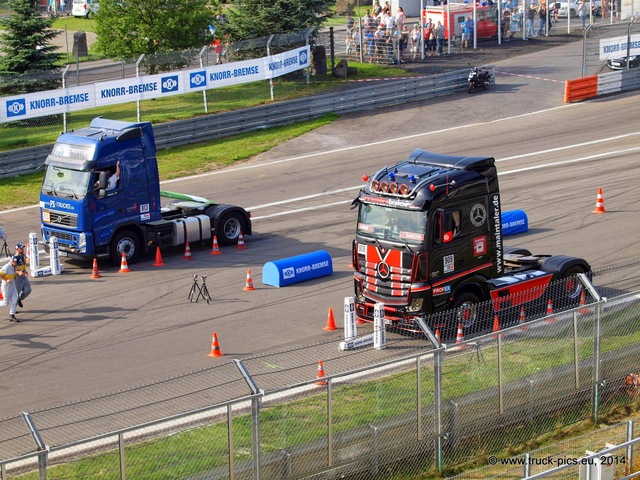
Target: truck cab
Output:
[(429, 238), (91, 216)]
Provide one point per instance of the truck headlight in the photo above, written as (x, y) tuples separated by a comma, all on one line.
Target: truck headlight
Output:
[(82, 242), (359, 294), (416, 304)]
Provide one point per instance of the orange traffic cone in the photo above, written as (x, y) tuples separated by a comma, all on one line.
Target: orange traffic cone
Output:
[(241, 245), (438, 335), (249, 285), (550, 316), (158, 262), (523, 319), (215, 347), (496, 325), (331, 322), (459, 335), (583, 302), (320, 374), (187, 251), (95, 273), (599, 203), (215, 250), (124, 268)]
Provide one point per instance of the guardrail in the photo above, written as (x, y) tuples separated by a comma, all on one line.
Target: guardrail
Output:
[(602, 84), (182, 132)]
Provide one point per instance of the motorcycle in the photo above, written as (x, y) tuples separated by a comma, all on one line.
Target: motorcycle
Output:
[(478, 77)]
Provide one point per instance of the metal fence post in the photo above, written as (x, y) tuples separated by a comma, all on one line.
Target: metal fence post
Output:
[(375, 461), (40, 446), (204, 92), (269, 55), (595, 407), (123, 475), (629, 465), (230, 440), (64, 85), (576, 356), (530, 402), (418, 401), (307, 36), (437, 406), (500, 382), (137, 75), (329, 424)]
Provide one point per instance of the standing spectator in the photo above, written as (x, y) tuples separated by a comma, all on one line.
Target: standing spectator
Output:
[(350, 24), (531, 16), (63, 6), (440, 34), (428, 34), (400, 18), (367, 20), (514, 23), (467, 32), (414, 40), (504, 25), (542, 17), (8, 274), (23, 286), (404, 41), (380, 43), (377, 9), (582, 13)]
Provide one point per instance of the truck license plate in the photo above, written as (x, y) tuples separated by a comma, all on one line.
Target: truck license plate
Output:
[(63, 254)]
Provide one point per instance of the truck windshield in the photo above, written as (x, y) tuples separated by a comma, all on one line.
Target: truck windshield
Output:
[(66, 183), (385, 223)]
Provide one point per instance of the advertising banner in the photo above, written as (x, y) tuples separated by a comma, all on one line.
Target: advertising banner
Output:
[(146, 87), (617, 47)]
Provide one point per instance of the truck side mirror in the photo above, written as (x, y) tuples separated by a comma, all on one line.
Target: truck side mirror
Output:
[(103, 180)]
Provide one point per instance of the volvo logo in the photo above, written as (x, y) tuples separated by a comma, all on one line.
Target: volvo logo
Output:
[(384, 271)]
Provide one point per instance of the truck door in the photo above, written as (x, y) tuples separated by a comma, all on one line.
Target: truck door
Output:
[(460, 246), (107, 207)]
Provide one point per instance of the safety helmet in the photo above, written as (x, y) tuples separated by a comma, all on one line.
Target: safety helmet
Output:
[(19, 245), (17, 259)]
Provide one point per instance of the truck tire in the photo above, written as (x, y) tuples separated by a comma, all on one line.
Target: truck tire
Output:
[(229, 228), (467, 312), (128, 242), (571, 288)]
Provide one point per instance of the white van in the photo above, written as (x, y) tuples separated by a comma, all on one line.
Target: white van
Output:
[(84, 8)]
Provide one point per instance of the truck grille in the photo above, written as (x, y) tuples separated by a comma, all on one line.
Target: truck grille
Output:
[(61, 219)]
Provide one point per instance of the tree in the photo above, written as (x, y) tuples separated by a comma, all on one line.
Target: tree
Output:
[(127, 29), (258, 18), (25, 40)]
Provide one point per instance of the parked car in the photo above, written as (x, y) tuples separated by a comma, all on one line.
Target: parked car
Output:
[(84, 8), (574, 5), (621, 63)]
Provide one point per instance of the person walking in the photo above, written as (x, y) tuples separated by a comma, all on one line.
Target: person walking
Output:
[(583, 11), (23, 286), (8, 274)]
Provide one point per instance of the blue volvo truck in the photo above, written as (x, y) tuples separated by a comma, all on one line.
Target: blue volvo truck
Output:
[(93, 217)]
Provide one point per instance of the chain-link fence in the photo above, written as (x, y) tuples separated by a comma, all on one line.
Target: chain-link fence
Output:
[(607, 47), (408, 408)]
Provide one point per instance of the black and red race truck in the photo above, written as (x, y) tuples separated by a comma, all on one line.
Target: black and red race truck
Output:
[(429, 239)]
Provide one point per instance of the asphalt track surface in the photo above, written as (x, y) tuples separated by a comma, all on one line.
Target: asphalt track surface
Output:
[(83, 337)]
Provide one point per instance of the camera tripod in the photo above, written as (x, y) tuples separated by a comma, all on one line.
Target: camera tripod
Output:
[(5, 250), (202, 290)]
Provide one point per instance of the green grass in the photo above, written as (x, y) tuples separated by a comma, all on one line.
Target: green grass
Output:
[(297, 422), (75, 24)]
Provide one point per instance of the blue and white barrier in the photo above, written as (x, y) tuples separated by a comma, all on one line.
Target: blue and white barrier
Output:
[(288, 271), (514, 221)]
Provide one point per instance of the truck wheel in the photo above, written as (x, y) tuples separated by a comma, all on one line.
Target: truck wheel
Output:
[(467, 311), (125, 241), (571, 288), (229, 228)]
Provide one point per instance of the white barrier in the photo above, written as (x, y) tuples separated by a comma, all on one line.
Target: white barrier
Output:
[(54, 268), (379, 328), (349, 318)]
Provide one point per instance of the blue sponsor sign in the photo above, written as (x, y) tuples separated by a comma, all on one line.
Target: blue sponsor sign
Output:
[(303, 57), (514, 221), (16, 108), (170, 84), (198, 79), (287, 271)]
